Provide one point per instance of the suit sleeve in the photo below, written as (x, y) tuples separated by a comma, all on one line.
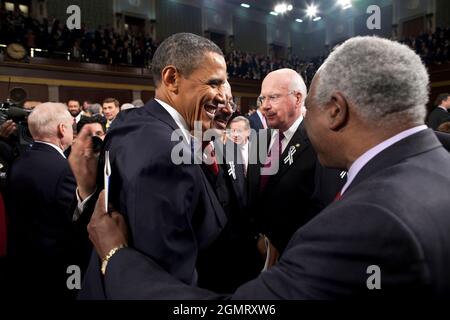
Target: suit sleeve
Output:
[(132, 275), (326, 259), (162, 204)]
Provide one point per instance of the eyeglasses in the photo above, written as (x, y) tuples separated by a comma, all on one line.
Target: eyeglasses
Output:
[(273, 98), (230, 104)]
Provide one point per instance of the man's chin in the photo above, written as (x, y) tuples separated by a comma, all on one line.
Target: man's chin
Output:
[(220, 125)]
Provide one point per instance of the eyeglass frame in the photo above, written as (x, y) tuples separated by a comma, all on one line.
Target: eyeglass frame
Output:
[(230, 103), (274, 98)]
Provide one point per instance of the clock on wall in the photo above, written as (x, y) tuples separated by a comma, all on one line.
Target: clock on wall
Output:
[(16, 51)]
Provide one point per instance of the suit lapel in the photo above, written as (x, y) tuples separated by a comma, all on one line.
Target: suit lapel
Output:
[(233, 167), (298, 143), (420, 142)]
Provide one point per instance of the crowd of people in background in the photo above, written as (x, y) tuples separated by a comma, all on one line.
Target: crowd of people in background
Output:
[(433, 48), (105, 45)]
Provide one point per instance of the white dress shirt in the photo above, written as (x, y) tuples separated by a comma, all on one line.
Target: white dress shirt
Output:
[(359, 163), (244, 152), (288, 134), (54, 146)]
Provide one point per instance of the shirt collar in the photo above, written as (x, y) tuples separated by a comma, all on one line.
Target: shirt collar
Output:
[(78, 117), (53, 146), (443, 108), (356, 167), (289, 132), (178, 118)]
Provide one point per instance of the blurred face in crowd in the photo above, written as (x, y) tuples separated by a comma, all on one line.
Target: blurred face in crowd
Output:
[(86, 105), (446, 103), (225, 110), (110, 110), (280, 105), (200, 93), (74, 108), (239, 132), (99, 132)]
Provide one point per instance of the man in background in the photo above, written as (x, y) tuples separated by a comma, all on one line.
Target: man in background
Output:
[(41, 188), (440, 114), (110, 108)]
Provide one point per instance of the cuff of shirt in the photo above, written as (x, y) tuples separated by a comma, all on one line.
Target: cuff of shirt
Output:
[(80, 205)]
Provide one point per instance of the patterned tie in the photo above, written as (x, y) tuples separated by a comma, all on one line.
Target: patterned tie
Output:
[(274, 154), (208, 149), (74, 125)]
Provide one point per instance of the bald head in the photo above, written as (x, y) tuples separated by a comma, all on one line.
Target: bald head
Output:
[(51, 122), (290, 79), (282, 96)]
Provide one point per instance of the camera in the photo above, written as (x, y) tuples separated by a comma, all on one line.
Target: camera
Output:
[(12, 109)]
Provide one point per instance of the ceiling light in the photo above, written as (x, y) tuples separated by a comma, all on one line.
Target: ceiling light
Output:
[(273, 13), (317, 18), (245, 5), (311, 11), (299, 20)]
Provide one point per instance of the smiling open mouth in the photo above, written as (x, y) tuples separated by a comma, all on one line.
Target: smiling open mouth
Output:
[(210, 110)]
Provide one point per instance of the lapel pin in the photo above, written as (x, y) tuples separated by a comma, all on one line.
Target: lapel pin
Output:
[(290, 156), (232, 170)]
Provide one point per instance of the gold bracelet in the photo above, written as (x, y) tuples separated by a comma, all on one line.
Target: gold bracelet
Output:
[(108, 256)]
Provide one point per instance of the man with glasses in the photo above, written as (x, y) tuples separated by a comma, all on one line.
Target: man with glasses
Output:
[(296, 183), (230, 260)]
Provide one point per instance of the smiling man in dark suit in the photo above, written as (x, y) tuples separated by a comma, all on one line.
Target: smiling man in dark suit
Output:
[(171, 208), (380, 239), (273, 195)]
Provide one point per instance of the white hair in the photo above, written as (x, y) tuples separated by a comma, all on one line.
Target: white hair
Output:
[(298, 84), (384, 79), (127, 106), (43, 121), (243, 119)]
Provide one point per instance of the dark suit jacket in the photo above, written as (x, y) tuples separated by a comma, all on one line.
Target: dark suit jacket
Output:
[(230, 260), (297, 185), (41, 188), (171, 209), (381, 220), (437, 117), (255, 122), (444, 138)]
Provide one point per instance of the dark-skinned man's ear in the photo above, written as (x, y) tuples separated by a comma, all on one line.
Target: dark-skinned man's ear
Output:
[(338, 111), (170, 76)]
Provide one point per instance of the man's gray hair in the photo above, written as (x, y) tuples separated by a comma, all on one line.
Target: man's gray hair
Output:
[(298, 84), (43, 121), (243, 119), (95, 109), (385, 80), (185, 51)]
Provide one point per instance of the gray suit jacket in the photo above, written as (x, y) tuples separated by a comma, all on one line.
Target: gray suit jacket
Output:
[(394, 218)]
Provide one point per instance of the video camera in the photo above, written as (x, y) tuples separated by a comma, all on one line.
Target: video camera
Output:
[(12, 109)]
